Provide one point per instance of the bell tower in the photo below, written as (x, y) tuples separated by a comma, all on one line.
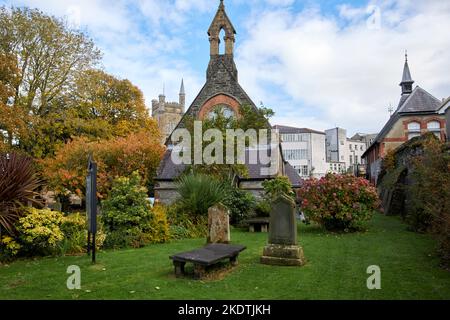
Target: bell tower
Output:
[(220, 63), (219, 23)]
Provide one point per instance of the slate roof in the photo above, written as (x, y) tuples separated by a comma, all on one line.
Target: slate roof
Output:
[(287, 129), (418, 102), (168, 171)]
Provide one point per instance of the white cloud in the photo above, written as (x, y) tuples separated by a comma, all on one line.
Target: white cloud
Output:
[(340, 71)]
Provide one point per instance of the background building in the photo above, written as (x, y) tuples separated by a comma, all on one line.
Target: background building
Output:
[(304, 149), (344, 154), (168, 114), (418, 112)]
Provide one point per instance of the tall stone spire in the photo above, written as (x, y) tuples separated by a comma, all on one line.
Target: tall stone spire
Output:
[(407, 81), (182, 99)]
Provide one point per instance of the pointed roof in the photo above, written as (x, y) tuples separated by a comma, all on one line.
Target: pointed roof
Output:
[(406, 73), (221, 20), (419, 101), (182, 87)]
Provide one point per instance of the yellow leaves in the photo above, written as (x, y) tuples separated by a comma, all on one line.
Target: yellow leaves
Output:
[(41, 226), (11, 245)]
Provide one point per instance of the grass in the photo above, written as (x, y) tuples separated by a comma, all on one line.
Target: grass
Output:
[(336, 269)]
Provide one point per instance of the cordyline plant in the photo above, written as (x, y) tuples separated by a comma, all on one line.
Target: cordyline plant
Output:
[(18, 185)]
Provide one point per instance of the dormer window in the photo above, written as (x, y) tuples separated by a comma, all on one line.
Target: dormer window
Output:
[(413, 130)]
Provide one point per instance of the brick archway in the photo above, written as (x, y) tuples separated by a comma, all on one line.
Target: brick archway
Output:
[(219, 99)]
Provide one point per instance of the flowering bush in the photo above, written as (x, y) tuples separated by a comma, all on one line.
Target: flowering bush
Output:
[(39, 230), (338, 202)]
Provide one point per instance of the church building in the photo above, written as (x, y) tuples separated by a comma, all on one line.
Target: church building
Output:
[(221, 90)]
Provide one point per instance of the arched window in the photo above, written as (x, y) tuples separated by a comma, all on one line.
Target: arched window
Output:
[(413, 130), (227, 111), (435, 127)]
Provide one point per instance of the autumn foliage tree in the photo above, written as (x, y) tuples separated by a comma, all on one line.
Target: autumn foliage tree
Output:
[(117, 157)]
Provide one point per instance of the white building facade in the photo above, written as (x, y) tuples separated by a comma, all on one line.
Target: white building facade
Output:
[(342, 152), (304, 149)]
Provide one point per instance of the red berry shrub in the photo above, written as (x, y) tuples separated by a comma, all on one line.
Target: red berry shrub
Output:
[(339, 202)]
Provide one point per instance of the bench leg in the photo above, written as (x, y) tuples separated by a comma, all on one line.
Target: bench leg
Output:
[(179, 268), (234, 261), (252, 228), (199, 271), (264, 228)]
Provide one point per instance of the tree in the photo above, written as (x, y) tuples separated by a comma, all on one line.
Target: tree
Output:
[(117, 157), (12, 119), (249, 118), (49, 57), (100, 96)]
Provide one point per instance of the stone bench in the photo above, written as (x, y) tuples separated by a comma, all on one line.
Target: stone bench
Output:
[(205, 257), (258, 224)]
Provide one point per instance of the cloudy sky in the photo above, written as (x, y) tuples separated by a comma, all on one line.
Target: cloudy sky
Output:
[(317, 64)]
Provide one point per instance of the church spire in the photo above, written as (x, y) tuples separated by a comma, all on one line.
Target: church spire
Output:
[(407, 80), (182, 95), (219, 23)]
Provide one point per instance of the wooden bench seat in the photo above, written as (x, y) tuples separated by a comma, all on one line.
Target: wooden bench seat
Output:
[(205, 257)]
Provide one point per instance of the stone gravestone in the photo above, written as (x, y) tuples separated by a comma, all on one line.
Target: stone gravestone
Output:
[(218, 224), (282, 248)]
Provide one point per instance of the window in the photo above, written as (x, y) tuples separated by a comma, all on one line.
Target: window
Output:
[(356, 159), (305, 171), (351, 159), (413, 130), (435, 127), (221, 109), (350, 145), (362, 148)]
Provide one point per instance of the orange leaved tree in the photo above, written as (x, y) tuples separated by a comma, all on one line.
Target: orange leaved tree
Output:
[(117, 157)]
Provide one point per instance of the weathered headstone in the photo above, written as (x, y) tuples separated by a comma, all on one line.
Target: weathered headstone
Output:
[(282, 248), (218, 224)]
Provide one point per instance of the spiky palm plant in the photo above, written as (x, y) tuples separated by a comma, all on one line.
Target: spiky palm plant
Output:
[(199, 192), (18, 185)]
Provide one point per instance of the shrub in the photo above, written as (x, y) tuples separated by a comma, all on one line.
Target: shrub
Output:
[(429, 205), (240, 203), (18, 186), (279, 185), (9, 248), (127, 216), (40, 231), (263, 208), (198, 192), (339, 202), (75, 234), (118, 157), (185, 226)]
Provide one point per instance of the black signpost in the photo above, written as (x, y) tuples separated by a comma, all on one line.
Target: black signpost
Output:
[(91, 206)]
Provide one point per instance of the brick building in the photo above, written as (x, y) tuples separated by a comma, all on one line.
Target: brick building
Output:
[(418, 112)]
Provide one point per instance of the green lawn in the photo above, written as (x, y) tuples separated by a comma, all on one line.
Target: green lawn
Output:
[(336, 269)]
